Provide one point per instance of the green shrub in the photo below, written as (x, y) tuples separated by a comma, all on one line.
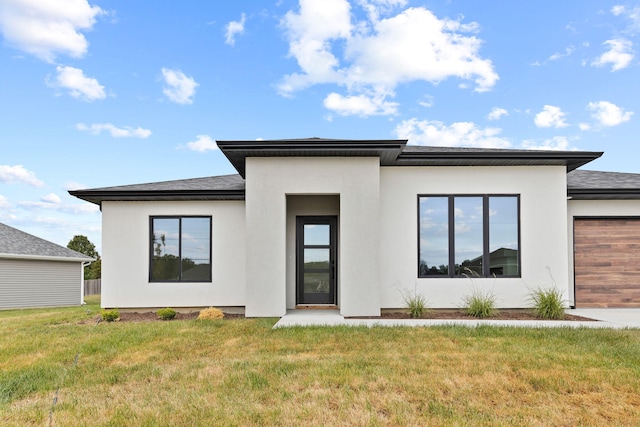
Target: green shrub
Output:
[(166, 313), (416, 304), (210, 313), (110, 315), (480, 304), (548, 303)]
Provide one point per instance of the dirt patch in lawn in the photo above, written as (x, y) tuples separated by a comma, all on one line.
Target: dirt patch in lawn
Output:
[(515, 314)]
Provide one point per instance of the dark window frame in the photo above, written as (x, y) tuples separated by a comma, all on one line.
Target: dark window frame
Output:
[(485, 235), (151, 248)]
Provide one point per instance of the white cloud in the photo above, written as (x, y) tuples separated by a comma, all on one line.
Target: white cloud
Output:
[(609, 114), (71, 208), (360, 105), (556, 143), (427, 101), (617, 10), (234, 28), (459, 134), (4, 203), (375, 8), (72, 185), (46, 29), (18, 175), (179, 88), (78, 85), (567, 52), (550, 116), (633, 14), (374, 57), (497, 113), (116, 132), (51, 198), (619, 54), (584, 126), (202, 143)]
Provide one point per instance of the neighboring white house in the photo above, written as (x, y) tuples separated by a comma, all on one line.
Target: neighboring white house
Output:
[(37, 273), (356, 224)]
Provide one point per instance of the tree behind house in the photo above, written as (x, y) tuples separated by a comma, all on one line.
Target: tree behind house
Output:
[(83, 245)]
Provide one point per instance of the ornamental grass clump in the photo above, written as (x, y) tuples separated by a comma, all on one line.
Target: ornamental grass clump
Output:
[(210, 313), (110, 315), (416, 304), (480, 304), (548, 303), (166, 313)]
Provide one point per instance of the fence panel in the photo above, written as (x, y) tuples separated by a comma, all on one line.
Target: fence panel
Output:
[(92, 287)]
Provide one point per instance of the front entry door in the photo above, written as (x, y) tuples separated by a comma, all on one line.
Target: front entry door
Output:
[(316, 270)]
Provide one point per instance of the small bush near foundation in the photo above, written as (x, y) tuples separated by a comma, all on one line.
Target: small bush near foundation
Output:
[(166, 313), (548, 303), (480, 304), (210, 313), (110, 315)]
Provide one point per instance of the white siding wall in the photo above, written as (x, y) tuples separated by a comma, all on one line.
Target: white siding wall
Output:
[(36, 283), (269, 181), (543, 228), (125, 256), (595, 208)]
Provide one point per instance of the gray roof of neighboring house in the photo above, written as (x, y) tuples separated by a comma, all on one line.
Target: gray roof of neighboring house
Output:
[(585, 184), (14, 242)]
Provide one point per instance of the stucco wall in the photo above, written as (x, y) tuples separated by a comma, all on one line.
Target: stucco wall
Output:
[(543, 228), (269, 181), (125, 256), (595, 208)]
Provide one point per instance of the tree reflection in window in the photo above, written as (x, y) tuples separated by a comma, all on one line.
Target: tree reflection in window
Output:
[(181, 249)]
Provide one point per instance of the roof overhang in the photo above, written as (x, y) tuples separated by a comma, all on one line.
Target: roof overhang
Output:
[(237, 151), (604, 193), (97, 196), (488, 157), (45, 258)]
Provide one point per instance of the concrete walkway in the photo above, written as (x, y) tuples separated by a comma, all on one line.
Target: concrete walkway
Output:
[(616, 318)]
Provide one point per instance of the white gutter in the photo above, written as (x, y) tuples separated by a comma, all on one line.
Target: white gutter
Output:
[(46, 258)]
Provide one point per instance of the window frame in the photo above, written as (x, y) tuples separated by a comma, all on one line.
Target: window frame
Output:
[(151, 247), (486, 218)]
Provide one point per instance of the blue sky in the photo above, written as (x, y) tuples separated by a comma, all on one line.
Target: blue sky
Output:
[(113, 92)]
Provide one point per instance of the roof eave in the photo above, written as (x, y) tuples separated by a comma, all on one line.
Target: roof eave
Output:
[(97, 197), (604, 193)]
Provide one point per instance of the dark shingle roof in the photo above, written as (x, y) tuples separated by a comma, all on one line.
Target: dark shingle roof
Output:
[(392, 152), (225, 187), (396, 152), (16, 242), (585, 184)]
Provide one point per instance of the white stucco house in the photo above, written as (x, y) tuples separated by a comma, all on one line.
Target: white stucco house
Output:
[(353, 224)]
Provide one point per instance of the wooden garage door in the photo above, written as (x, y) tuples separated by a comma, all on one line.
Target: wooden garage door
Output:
[(607, 262)]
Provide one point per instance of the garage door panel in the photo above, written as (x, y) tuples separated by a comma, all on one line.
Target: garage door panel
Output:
[(607, 262)]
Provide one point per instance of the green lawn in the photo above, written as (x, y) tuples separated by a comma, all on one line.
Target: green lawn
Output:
[(241, 372)]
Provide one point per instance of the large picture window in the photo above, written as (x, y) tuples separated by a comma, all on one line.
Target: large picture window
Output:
[(468, 235), (180, 249)]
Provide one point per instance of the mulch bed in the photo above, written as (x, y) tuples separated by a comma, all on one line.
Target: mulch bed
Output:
[(431, 314), (516, 314), (149, 316)]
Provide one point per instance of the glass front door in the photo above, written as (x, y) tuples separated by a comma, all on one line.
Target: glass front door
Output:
[(316, 259)]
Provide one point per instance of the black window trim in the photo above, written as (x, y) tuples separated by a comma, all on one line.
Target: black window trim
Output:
[(180, 218), (485, 234)]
